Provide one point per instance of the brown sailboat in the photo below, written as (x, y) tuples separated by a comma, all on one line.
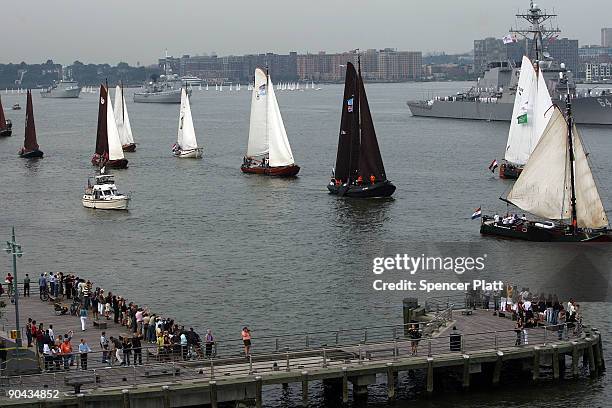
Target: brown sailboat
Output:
[(109, 151), (6, 126), (30, 148), (359, 170)]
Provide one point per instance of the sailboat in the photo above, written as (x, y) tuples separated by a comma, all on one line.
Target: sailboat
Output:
[(359, 170), (123, 121), (268, 150), (530, 116), (6, 126), (108, 145), (30, 148), (556, 185), (186, 145)]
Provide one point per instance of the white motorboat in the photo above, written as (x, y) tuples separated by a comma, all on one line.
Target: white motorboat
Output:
[(101, 194)]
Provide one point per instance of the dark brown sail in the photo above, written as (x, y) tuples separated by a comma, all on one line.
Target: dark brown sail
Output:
[(2, 117), (370, 160), (30, 143), (102, 133), (348, 141)]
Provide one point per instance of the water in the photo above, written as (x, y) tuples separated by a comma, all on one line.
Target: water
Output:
[(216, 248)]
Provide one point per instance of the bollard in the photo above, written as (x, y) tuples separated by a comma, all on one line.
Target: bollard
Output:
[(258, 391), (305, 388), (466, 371), (345, 395), (126, 398), (390, 381), (213, 394), (430, 375)]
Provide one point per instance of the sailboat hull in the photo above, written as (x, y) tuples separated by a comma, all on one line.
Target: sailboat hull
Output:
[(508, 171), (380, 189), (96, 160), (281, 171), (6, 132), (189, 154), (528, 231), (34, 154), (129, 147)]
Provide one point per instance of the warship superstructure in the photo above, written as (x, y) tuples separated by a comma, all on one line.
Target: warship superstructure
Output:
[(492, 97)]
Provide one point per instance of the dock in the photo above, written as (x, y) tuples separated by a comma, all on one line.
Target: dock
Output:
[(347, 361)]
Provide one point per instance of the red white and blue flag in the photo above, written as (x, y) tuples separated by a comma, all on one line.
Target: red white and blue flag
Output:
[(349, 105), (493, 166), (477, 213)]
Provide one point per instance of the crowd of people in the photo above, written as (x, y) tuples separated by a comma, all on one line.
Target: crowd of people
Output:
[(56, 351)]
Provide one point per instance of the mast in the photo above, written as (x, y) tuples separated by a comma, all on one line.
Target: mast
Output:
[(122, 103), (356, 139), (267, 110), (536, 17), (570, 125)]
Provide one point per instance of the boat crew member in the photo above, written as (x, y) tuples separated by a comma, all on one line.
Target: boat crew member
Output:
[(372, 179), (359, 180)]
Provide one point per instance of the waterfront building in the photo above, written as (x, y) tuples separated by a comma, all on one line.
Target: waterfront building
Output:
[(606, 37)]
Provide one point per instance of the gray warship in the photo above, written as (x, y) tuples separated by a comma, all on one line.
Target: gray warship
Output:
[(492, 97)]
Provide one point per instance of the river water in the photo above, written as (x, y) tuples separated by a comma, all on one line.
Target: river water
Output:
[(215, 248)]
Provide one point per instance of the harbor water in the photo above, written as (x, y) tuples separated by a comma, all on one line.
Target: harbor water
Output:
[(218, 249)]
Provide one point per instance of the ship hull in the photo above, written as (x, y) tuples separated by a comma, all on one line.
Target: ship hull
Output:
[(113, 164), (61, 93), (529, 232), (587, 111), (34, 154), (131, 147), (380, 189), (189, 154), (507, 171), (173, 96), (115, 204), (281, 171), (6, 132)]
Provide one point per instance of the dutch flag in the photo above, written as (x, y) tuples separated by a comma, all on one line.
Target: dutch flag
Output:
[(477, 213), (493, 166)]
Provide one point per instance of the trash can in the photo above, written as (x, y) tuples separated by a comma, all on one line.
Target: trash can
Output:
[(455, 341)]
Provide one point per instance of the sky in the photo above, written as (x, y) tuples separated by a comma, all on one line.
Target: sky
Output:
[(132, 31)]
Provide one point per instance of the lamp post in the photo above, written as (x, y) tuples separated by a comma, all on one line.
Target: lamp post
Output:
[(13, 248)]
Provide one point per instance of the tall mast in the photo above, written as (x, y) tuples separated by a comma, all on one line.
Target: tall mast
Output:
[(570, 125), (536, 17), (267, 110), (122, 104)]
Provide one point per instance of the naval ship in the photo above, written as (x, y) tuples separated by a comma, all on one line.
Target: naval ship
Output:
[(492, 97), (64, 88), (166, 89)]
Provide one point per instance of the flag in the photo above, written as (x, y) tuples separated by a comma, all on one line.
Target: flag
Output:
[(522, 119), (477, 213), (508, 39), (493, 166), (349, 105)]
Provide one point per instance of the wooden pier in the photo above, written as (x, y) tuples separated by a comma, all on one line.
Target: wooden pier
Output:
[(348, 361)]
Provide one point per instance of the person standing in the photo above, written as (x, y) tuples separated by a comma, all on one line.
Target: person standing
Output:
[(83, 316), (246, 339), (66, 349), (104, 347), (9, 284), (52, 282), (210, 342), (26, 286), (42, 285), (83, 350), (51, 333), (137, 347)]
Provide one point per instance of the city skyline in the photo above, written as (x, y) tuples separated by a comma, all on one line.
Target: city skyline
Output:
[(133, 31)]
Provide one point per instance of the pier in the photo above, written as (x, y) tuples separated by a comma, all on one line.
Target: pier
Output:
[(346, 361)]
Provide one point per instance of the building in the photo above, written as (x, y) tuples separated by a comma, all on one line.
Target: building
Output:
[(566, 51), (596, 72), (488, 50), (606, 37)]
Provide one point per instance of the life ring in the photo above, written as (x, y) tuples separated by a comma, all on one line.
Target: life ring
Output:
[(524, 229)]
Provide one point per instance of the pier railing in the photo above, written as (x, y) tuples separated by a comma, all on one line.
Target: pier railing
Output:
[(171, 365)]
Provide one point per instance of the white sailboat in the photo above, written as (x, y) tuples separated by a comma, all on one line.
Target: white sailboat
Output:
[(186, 145), (268, 150), (207, 86), (123, 121), (530, 116)]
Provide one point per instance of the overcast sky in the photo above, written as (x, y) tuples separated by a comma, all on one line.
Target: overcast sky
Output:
[(139, 30)]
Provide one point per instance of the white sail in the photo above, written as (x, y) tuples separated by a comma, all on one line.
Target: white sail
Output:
[(186, 138), (590, 211), (544, 186), (115, 149), (279, 149), (530, 115), (258, 140), (122, 118)]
